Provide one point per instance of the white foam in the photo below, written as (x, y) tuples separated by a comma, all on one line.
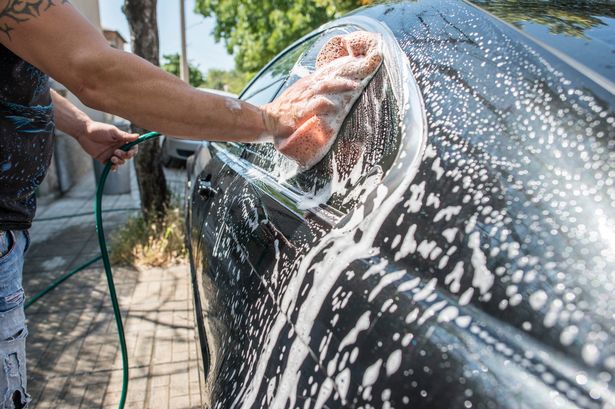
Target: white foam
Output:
[(590, 354), (538, 299), (232, 104), (393, 362), (408, 245), (447, 213), (448, 314), (341, 250), (426, 291), (483, 278), (450, 233), (385, 281), (371, 374), (568, 335), (454, 277)]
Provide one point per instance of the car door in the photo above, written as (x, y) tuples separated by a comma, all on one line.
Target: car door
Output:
[(264, 216), (330, 288), (227, 237)]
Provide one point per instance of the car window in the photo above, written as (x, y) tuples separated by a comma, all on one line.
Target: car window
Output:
[(263, 89), (365, 147)]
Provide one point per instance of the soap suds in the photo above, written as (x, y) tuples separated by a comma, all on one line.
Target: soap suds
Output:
[(352, 57), (232, 104)]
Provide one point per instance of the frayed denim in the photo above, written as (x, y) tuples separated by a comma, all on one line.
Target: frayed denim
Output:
[(13, 331)]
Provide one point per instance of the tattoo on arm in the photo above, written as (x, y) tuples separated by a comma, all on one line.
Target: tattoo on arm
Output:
[(20, 11)]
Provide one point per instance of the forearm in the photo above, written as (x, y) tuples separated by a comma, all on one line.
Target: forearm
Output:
[(131, 87), (60, 42), (68, 118)]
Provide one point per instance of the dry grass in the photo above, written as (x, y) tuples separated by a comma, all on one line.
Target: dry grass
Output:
[(159, 244)]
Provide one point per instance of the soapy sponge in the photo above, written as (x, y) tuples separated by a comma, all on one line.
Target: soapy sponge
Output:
[(355, 57)]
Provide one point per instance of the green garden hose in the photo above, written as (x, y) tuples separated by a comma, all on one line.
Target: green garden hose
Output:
[(59, 281), (104, 255)]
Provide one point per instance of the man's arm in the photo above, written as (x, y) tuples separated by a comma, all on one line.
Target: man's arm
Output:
[(59, 41), (99, 140)]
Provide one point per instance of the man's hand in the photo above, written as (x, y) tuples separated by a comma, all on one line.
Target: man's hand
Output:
[(341, 71), (102, 142), (304, 99), (99, 140), (308, 115)]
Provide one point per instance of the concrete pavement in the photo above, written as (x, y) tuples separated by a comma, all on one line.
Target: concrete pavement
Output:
[(73, 354)]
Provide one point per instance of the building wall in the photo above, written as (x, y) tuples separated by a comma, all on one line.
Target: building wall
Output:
[(69, 161), (115, 39), (90, 9)]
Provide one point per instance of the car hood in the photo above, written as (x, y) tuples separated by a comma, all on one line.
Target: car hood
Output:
[(581, 32)]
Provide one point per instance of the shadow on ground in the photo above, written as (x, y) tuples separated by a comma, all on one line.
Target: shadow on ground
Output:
[(73, 352)]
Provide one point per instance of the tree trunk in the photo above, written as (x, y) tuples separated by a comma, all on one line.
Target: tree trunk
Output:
[(141, 15)]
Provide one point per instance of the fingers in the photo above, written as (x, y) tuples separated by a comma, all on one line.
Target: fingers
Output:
[(123, 137), (320, 105), (129, 137), (337, 85), (362, 67), (116, 161), (343, 63), (120, 157), (126, 155)]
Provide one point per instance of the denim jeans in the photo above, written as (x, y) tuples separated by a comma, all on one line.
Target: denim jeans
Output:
[(13, 331)]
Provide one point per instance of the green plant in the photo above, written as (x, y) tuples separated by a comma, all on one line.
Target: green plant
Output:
[(256, 30), (230, 81), (171, 65), (139, 243)]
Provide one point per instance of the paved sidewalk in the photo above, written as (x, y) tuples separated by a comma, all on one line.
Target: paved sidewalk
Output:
[(73, 354)]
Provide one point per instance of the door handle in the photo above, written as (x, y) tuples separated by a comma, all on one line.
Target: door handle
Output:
[(205, 189)]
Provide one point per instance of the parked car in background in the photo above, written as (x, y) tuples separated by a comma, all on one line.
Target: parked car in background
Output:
[(175, 151), (455, 248)]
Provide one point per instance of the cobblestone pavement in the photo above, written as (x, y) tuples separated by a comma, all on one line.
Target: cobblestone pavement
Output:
[(73, 354)]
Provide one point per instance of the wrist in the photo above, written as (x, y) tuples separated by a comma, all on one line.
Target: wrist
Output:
[(80, 128), (269, 124), (274, 128), (86, 127)]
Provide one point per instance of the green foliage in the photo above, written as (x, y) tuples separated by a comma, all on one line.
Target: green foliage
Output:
[(230, 81), (171, 65), (139, 243), (255, 31)]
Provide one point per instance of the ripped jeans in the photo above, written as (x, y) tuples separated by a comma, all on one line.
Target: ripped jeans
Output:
[(13, 331)]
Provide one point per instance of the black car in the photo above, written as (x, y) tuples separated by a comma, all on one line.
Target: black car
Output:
[(455, 248)]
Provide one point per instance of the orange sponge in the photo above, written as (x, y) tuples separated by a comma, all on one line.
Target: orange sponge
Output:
[(356, 57)]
